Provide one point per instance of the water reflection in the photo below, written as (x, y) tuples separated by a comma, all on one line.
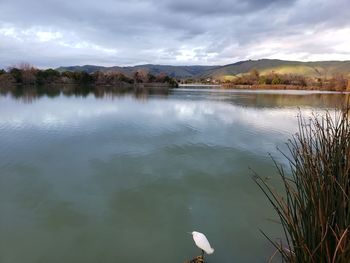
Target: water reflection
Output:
[(90, 179), (268, 98), (29, 94)]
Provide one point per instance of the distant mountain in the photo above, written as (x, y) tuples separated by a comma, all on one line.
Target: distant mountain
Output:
[(86, 68), (173, 71), (264, 66)]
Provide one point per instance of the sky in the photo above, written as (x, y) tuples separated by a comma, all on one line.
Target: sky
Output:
[(52, 33)]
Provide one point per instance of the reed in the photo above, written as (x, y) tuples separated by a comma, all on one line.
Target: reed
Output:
[(314, 206)]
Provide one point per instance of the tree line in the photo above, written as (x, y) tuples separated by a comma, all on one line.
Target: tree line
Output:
[(25, 74)]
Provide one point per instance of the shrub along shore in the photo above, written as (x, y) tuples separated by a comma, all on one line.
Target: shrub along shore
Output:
[(273, 80), (30, 76), (254, 80)]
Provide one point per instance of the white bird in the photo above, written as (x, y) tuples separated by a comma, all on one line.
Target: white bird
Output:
[(202, 242)]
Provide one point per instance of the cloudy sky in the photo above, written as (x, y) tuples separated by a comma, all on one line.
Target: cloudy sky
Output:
[(51, 33)]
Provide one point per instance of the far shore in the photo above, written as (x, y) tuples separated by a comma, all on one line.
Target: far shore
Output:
[(263, 87)]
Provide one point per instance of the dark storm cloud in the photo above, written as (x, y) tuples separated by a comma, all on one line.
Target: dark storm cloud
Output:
[(62, 32), (223, 7)]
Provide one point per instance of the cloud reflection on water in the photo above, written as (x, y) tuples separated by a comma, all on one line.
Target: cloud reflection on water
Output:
[(98, 174), (46, 112)]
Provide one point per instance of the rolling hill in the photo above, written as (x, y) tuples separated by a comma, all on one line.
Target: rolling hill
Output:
[(264, 66), (173, 71)]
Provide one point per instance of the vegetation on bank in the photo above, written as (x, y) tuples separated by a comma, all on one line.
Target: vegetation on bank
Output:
[(255, 79), (28, 75), (272, 80), (337, 82), (314, 208)]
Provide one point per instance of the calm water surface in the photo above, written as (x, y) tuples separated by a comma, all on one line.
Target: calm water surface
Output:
[(123, 178)]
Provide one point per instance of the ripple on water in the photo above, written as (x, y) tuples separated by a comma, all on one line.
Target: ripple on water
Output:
[(111, 171)]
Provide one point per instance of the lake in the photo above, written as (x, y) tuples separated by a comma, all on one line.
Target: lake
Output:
[(123, 178)]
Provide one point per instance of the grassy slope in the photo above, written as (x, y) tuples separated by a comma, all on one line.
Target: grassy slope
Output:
[(264, 66)]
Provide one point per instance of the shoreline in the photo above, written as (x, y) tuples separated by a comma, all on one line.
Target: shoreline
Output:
[(265, 87)]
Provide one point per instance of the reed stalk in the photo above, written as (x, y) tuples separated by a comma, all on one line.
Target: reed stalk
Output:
[(314, 206)]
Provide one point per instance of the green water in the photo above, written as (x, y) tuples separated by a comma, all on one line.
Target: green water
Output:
[(124, 178)]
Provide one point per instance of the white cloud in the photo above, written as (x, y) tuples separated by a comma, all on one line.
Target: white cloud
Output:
[(46, 36)]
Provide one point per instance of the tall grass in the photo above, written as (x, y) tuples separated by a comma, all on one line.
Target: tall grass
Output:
[(314, 207)]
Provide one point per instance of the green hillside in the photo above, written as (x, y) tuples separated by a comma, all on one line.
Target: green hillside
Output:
[(264, 66)]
